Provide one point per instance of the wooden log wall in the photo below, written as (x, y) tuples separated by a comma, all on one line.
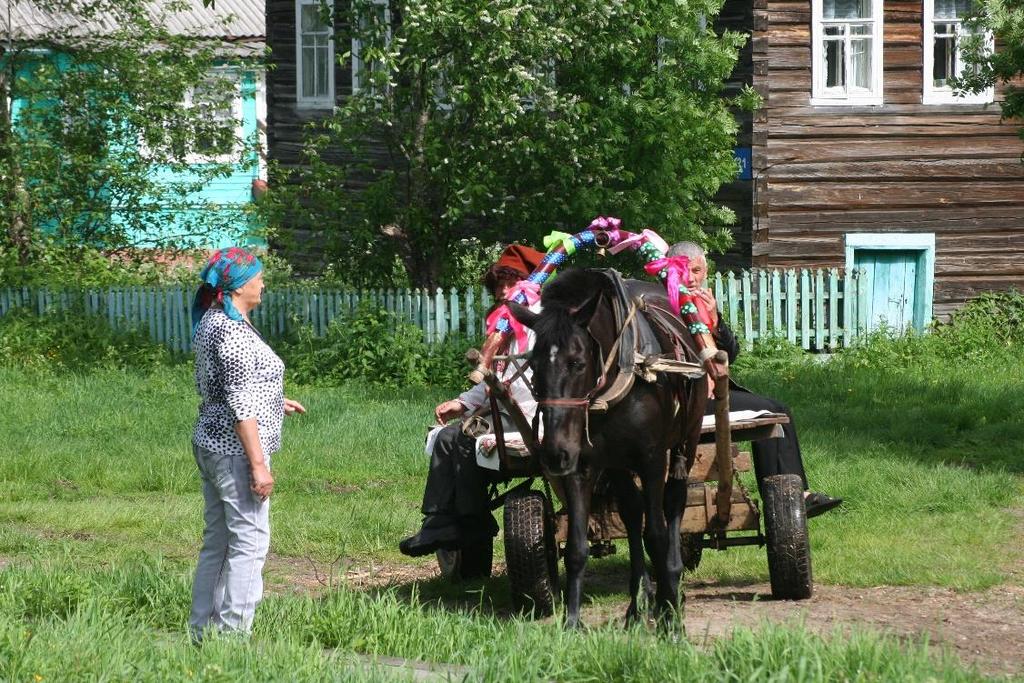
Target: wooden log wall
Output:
[(823, 172)]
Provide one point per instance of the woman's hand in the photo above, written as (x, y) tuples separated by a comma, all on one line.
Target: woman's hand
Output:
[(291, 407), (449, 410), (262, 481)]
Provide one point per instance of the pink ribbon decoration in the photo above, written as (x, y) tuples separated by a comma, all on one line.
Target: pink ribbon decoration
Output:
[(605, 223), (677, 271), (523, 291), (634, 240)]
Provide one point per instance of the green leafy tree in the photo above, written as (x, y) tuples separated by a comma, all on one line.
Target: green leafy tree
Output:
[(96, 152), (479, 120), (1004, 19)]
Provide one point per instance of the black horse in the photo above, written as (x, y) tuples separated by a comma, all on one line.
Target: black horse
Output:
[(574, 332)]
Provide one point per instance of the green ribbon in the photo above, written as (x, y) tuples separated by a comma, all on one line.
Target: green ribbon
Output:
[(560, 238)]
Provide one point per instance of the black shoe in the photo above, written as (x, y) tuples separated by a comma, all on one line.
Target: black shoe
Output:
[(818, 503), (437, 533)]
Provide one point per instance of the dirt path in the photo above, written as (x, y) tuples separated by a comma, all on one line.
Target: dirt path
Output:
[(983, 628)]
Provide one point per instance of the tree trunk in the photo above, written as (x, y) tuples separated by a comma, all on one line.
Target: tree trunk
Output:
[(15, 215)]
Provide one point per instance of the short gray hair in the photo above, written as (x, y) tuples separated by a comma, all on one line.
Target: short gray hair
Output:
[(688, 249)]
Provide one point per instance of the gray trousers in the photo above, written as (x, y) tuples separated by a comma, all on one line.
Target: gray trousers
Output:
[(229, 577)]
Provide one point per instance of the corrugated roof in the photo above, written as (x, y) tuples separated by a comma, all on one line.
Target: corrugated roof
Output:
[(229, 19)]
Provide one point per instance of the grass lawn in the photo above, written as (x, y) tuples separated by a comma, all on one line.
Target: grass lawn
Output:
[(100, 523)]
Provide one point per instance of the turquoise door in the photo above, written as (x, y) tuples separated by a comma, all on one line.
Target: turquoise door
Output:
[(891, 279)]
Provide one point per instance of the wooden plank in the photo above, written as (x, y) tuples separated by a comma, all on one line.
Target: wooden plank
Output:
[(776, 303), (805, 310), (819, 310), (441, 316), (863, 302), (833, 309), (999, 170), (849, 330), (455, 322), (719, 287), (748, 310), (762, 303), (894, 127), (705, 467), (471, 314), (1010, 263), (732, 294), (892, 148), (894, 194), (791, 300)]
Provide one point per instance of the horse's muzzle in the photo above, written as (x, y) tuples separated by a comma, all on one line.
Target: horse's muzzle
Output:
[(559, 461)]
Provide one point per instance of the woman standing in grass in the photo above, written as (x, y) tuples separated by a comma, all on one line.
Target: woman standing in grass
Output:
[(241, 382)]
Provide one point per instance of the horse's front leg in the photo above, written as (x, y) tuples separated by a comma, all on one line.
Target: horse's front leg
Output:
[(675, 494), (631, 510), (667, 569), (578, 490)]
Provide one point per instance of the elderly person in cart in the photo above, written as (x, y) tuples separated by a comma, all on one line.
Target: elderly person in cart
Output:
[(455, 501), (771, 456)]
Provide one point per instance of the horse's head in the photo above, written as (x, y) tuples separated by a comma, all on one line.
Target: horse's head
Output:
[(566, 363)]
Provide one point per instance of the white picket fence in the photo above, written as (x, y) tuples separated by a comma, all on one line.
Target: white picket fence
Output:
[(819, 310)]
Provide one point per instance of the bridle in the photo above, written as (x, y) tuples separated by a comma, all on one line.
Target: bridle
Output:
[(584, 402)]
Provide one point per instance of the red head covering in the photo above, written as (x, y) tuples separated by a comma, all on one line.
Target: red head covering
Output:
[(516, 262)]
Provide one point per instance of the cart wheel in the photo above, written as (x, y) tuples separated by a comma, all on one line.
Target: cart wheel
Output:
[(785, 530), (530, 552), (466, 564), (691, 550)]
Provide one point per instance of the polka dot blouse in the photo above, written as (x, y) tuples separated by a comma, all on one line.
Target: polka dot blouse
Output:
[(239, 378)]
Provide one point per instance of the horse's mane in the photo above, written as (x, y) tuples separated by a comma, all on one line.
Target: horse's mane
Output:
[(567, 292)]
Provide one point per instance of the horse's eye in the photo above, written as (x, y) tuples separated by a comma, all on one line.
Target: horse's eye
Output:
[(575, 365)]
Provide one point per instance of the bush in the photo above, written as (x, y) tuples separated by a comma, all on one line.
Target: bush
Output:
[(374, 346), (72, 340), (985, 329)]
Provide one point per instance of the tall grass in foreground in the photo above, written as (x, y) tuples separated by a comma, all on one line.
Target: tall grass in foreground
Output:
[(59, 622)]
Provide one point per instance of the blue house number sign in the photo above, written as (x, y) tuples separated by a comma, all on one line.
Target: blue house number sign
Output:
[(742, 155)]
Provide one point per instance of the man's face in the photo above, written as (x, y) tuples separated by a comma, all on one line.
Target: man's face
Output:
[(698, 273)]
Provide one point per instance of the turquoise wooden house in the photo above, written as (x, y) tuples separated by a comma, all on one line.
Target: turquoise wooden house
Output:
[(238, 25)]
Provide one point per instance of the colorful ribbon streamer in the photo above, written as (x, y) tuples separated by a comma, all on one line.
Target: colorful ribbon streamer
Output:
[(563, 239)]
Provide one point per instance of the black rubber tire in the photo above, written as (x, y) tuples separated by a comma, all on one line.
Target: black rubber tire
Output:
[(785, 530), (691, 550), (469, 563), (530, 552)]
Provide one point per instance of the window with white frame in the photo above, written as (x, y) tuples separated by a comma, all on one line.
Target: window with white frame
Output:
[(314, 55), (944, 32), (374, 24), (218, 100), (847, 52)]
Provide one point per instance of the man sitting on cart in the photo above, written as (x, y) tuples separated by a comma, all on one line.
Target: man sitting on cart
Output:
[(456, 504), (771, 456)]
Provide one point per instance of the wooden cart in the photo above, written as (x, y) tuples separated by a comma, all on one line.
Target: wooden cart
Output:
[(719, 514)]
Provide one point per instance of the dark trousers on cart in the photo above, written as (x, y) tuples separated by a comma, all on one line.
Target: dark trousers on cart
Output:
[(771, 456), (456, 500)]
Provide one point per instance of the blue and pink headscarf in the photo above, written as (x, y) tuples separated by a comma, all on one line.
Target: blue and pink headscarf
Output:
[(225, 271)]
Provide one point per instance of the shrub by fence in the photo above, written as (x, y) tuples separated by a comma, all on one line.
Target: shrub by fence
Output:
[(819, 309)]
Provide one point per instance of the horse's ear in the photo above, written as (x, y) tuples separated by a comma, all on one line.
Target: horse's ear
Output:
[(522, 314), (585, 311)]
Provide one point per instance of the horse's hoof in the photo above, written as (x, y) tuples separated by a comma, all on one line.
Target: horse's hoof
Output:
[(573, 624)]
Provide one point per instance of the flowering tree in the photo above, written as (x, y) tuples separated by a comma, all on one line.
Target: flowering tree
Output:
[(479, 120)]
